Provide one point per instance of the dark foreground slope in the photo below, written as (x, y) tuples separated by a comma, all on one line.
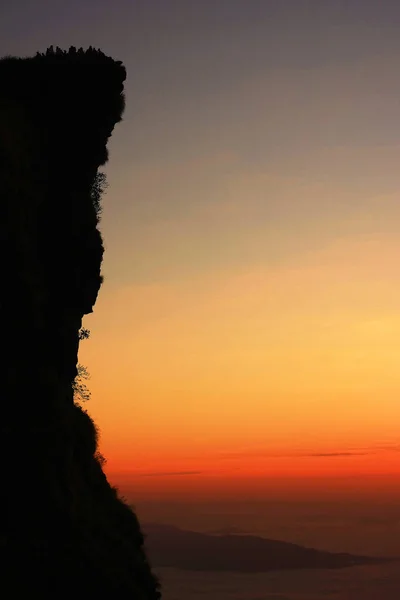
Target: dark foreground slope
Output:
[(173, 547), (63, 529)]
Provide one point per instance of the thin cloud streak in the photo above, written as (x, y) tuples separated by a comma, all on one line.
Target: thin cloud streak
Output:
[(334, 454), (169, 473), (269, 454), (265, 453)]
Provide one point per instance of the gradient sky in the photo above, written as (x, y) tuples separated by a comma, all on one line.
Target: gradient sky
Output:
[(248, 330)]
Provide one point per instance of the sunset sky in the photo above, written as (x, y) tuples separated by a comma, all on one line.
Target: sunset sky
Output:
[(247, 335)]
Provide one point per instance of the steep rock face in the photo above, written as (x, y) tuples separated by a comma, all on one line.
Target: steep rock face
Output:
[(63, 528)]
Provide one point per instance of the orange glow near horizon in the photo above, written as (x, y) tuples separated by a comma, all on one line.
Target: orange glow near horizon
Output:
[(267, 375)]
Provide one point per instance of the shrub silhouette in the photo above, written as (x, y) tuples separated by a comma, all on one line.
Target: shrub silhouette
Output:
[(64, 529), (81, 391)]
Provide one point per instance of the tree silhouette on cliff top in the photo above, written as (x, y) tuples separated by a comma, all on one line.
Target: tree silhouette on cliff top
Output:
[(64, 530)]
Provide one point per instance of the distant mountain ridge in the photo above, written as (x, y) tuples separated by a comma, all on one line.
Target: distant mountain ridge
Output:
[(170, 546)]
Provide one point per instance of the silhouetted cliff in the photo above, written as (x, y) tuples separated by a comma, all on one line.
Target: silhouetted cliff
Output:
[(63, 528)]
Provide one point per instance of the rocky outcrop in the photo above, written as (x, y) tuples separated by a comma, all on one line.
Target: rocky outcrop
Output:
[(63, 528)]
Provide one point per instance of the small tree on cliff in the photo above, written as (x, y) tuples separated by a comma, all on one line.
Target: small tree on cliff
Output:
[(98, 188), (81, 391)]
